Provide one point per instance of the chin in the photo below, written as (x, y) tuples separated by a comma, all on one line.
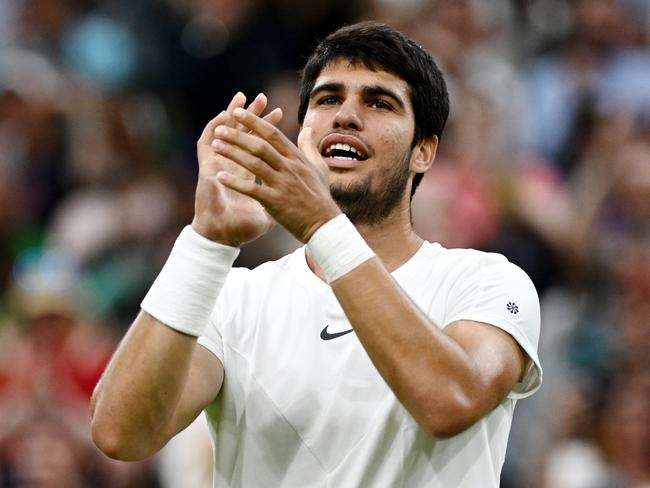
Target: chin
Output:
[(343, 178), (346, 184)]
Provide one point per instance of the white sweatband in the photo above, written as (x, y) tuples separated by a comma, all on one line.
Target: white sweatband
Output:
[(338, 248), (186, 290)]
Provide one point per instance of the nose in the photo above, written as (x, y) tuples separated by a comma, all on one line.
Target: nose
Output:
[(348, 117)]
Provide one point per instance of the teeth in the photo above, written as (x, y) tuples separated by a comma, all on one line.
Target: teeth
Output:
[(343, 147)]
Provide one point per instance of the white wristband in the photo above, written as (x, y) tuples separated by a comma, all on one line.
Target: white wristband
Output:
[(338, 248), (186, 290)]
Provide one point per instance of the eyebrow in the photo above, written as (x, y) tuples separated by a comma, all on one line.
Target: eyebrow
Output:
[(381, 91), (326, 87), (375, 90)]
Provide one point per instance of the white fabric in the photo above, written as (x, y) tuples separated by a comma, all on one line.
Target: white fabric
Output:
[(338, 247), (185, 292), (186, 460), (297, 410)]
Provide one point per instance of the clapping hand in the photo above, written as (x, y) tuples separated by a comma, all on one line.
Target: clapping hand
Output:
[(221, 214)]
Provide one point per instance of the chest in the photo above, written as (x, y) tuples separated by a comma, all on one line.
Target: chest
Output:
[(299, 344), (296, 358)]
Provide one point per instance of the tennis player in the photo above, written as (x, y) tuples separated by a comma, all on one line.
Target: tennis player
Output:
[(368, 357)]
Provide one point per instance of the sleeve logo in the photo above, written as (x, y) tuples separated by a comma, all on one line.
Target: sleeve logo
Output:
[(512, 308)]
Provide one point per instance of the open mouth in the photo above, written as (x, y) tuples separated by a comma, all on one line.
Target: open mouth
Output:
[(344, 152)]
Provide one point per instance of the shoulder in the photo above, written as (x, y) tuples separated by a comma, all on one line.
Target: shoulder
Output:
[(487, 288), (475, 262), (484, 275)]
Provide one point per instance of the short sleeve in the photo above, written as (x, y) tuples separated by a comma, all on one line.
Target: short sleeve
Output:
[(499, 293), (212, 339), (213, 336)]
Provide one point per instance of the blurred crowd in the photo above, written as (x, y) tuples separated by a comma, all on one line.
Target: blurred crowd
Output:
[(546, 159)]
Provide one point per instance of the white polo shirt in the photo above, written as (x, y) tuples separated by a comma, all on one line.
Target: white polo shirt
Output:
[(302, 404)]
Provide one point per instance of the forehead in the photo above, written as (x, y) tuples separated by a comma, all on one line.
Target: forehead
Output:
[(356, 76)]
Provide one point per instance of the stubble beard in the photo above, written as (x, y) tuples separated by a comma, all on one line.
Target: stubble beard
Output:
[(371, 206)]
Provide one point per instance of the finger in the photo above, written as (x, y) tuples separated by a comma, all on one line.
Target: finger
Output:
[(208, 131), (258, 105), (266, 131), (308, 146), (274, 117), (243, 186), (217, 162), (238, 101), (250, 143), (246, 160)]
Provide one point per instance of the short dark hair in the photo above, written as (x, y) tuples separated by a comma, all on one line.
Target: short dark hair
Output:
[(379, 47)]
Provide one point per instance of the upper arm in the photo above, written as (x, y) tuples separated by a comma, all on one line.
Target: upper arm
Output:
[(203, 384), (498, 360), (495, 291)]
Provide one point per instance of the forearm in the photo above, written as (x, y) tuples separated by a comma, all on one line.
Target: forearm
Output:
[(428, 369), (159, 380), (430, 373), (140, 389)]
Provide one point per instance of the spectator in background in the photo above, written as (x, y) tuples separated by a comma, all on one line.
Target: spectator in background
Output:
[(101, 102), (50, 361), (588, 203), (600, 64), (32, 138)]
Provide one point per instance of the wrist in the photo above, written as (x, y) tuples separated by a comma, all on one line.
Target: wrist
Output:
[(338, 248), (213, 235), (325, 216), (186, 290)]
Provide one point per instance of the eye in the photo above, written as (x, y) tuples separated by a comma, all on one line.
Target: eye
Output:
[(327, 100), (381, 104)]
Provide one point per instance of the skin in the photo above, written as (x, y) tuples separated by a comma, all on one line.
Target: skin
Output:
[(159, 380), (447, 379)]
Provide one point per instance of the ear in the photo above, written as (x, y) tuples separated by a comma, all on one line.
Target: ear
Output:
[(424, 154)]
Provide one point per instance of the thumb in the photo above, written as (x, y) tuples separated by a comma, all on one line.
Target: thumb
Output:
[(307, 145)]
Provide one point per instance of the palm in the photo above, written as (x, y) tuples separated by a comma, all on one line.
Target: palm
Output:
[(240, 217), (222, 214)]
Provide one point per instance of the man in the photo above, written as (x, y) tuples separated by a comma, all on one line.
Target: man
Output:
[(366, 358)]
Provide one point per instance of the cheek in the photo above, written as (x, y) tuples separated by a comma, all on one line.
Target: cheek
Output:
[(395, 141)]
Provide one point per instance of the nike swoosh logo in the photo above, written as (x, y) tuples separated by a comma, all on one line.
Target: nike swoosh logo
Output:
[(326, 336)]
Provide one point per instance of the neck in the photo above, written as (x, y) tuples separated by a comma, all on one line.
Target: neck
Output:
[(393, 240)]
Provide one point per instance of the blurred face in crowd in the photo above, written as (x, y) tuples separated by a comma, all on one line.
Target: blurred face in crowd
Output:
[(45, 456), (598, 20)]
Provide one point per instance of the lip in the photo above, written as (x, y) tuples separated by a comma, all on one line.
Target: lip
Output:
[(337, 138), (343, 163)]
